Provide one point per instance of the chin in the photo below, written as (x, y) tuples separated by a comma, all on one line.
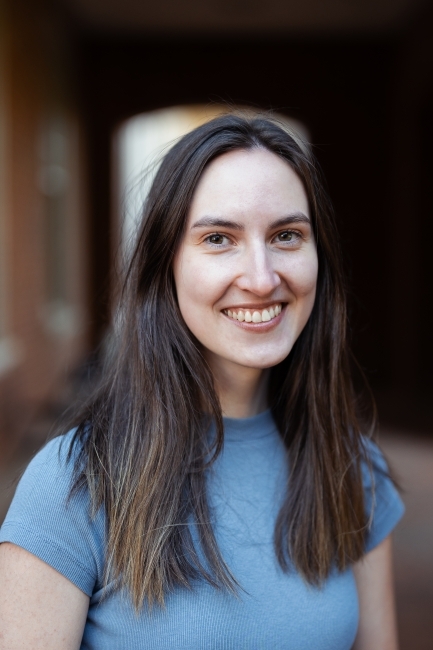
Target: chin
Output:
[(264, 363)]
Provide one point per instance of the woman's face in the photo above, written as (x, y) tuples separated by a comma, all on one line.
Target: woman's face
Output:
[(246, 269)]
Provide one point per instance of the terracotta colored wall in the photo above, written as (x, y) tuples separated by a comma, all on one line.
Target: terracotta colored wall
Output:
[(39, 108)]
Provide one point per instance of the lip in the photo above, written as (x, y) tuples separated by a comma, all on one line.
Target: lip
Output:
[(258, 327)]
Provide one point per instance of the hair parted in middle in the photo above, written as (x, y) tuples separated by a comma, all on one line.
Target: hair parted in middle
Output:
[(141, 447)]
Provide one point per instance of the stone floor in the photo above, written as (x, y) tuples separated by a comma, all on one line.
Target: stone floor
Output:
[(411, 458)]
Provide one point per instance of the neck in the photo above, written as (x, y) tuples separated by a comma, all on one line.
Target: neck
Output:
[(242, 391)]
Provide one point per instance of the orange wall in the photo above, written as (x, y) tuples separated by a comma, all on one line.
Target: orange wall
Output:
[(39, 180)]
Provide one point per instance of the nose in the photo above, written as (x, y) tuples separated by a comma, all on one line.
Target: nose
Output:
[(257, 274)]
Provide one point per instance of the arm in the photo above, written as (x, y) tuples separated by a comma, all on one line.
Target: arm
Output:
[(377, 622), (39, 608)]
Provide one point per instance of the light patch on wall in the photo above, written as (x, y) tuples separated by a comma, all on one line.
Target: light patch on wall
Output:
[(59, 316), (11, 352), (142, 141)]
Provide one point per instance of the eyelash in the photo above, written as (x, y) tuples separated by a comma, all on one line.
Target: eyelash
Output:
[(207, 239)]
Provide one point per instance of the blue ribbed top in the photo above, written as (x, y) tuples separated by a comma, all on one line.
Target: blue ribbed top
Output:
[(245, 485)]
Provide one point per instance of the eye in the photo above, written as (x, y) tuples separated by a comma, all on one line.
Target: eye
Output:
[(216, 239), (288, 236)]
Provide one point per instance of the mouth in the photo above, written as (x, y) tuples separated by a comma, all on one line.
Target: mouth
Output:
[(255, 315)]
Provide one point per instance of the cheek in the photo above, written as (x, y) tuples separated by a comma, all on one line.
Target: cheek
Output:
[(198, 285), (184, 286), (303, 279)]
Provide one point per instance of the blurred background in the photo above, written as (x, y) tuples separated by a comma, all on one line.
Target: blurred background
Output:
[(92, 92)]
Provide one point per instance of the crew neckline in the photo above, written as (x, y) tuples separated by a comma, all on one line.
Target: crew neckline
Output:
[(247, 429)]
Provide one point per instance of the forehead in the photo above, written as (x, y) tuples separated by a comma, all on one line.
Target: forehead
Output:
[(242, 183)]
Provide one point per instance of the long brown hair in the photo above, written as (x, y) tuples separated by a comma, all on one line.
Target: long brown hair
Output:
[(142, 448)]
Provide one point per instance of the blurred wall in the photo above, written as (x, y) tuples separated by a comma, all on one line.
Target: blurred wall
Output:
[(67, 84), (44, 255)]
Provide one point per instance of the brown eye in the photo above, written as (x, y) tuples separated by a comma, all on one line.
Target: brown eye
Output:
[(216, 239), (287, 235)]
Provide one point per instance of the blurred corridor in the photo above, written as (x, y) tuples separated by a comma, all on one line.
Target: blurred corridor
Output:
[(74, 74)]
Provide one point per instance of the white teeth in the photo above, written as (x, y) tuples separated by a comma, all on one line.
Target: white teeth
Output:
[(263, 316)]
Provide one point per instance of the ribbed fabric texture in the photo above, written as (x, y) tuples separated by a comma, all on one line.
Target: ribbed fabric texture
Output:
[(246, 484)]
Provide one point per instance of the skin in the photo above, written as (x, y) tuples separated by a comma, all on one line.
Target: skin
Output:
[(374, 580), (261, 252), (249, 240), (39, 608)]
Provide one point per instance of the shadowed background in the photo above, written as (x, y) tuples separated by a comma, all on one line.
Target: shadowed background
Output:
[(356, 74)]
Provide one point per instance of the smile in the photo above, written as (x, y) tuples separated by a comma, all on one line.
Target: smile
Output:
[(254, 315)]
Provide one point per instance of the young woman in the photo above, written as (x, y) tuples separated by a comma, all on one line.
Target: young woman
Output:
[(219, 489)]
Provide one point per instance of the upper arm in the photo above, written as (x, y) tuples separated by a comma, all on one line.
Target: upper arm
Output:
[(40, 609), (377, 622)]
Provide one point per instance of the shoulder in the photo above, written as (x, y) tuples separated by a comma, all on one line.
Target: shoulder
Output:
[(384, 506), (53, 524), (374, 454), (51, 467), (49, 475)]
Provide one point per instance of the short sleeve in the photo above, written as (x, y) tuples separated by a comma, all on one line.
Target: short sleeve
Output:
[(59, 530), (383, 503)]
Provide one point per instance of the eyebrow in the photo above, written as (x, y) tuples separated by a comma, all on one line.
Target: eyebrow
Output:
[(295, 217), (216, 222)]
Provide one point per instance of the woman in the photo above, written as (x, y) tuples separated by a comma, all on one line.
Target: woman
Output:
[(217, 491)]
